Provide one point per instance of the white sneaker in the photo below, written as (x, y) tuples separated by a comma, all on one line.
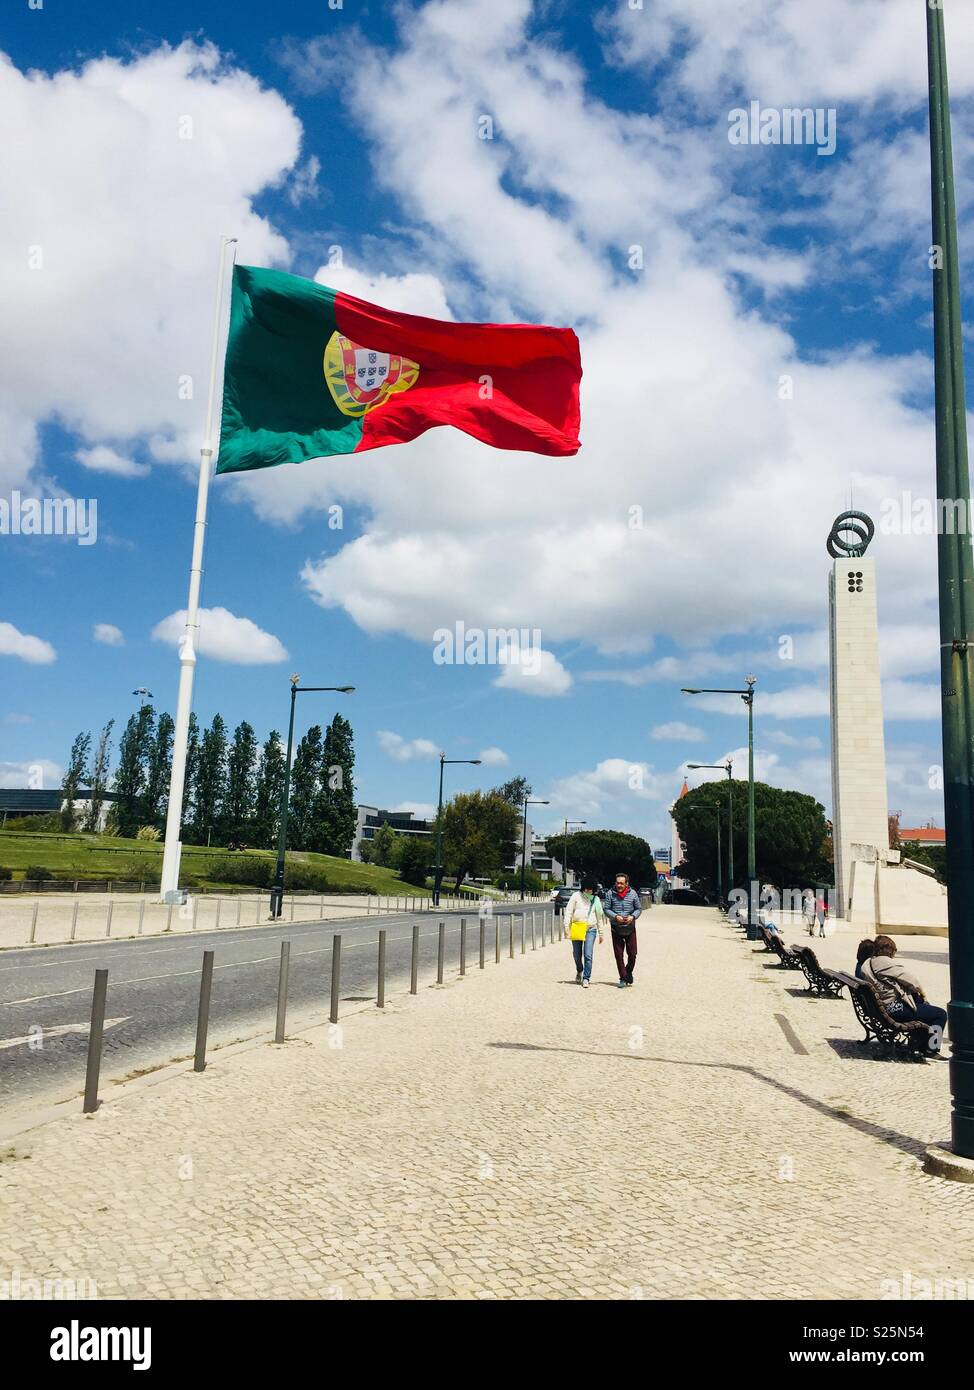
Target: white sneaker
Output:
[(578, 978), (585, 984)]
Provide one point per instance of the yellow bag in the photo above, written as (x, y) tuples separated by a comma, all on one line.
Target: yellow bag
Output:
[(578, 930)]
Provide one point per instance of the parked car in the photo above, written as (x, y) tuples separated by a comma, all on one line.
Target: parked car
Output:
[(560, 900), (684, 897)]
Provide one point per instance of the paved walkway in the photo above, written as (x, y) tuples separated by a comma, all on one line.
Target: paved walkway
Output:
[(707, 1134)]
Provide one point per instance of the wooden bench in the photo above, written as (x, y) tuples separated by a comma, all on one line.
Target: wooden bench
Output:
[(898, 1035), (826, 983), (788, 958)]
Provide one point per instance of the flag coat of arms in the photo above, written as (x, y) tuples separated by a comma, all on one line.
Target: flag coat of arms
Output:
[(312, 372)]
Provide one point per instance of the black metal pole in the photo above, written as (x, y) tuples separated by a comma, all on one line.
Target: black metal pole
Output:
[(440, 952), (381, 991), (203, 1017), (277, 891), (282, 991), (438, 866), (414, 965), (463, 945), (96, 1033), (483, 935), (336, 977)]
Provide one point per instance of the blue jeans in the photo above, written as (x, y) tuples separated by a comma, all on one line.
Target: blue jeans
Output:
[(926, 1013), (582, 951)]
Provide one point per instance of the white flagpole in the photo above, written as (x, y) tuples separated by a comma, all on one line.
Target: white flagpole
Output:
[(169, 887)]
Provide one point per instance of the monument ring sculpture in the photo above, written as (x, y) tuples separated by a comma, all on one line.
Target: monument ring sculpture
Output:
[(856, 524)]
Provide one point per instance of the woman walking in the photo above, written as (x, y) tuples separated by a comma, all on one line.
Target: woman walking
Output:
[(584, 920)]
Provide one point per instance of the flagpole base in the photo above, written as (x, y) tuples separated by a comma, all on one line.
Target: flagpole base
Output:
[(941, 1163)]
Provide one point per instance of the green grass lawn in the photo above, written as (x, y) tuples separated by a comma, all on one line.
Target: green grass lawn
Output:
[(105, 857)]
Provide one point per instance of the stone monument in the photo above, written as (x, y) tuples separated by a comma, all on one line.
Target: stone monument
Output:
[(873, 888)]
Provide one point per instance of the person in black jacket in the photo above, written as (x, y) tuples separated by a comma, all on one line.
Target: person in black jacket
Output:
[(622, 907)]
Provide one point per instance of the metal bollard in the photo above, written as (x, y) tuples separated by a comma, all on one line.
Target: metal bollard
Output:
[(239, 909), (380, 1001), (292, 908), (141, 916), (534, 944), (336, 976), (257, 910), (414, 966), (96, 1032), (33, 922), (203, 1017), (463, 945), (282, 991), (196, 908), (483, 933), (522, 934), (169, 918), (510, 931), (108, 922), (497, 939), (219, 904), (440, 951), (74, 921)]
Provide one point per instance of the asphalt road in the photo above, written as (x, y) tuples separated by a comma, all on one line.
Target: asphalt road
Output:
[(153, 991)]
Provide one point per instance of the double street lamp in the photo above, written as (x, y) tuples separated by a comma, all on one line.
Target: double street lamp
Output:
[(524, 836), (728, 767), (277, 891), (715, 806), (564, 861), (748, 697), (438, 866)]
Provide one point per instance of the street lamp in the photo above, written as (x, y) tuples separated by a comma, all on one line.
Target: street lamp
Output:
[(564, 862), (955, 571), (438, 866), (729, 769), (748, 697), (715, 806), (524, 836), (277, 890)]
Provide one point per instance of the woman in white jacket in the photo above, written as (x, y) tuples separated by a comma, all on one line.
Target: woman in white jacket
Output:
[(584, 919)]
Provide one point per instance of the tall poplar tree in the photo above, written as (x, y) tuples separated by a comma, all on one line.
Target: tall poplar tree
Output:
[(335, 817), (238, 808), (270, 789), (211, 783), (305, 787), (134, 751)]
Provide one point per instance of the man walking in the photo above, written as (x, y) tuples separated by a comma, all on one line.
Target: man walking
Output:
[(622, 908)]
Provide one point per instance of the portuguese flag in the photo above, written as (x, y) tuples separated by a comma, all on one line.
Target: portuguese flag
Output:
[(311, 372)]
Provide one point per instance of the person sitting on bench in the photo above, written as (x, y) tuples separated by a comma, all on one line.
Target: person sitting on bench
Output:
[(901, 993), (866, 949)]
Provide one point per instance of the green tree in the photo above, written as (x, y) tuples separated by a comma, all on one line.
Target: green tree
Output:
[(384, 846), (267, 797), (602, 854), (238, 807), (305, 787), (187, 819), (790, 834), (159, 771), (515, 791), (415, 852), (99, 777), (334, 811), (74, 778), (211, 783), (480, 831), (131, 775)]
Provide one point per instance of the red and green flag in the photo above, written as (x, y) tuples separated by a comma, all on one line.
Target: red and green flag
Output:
[(311, 372)]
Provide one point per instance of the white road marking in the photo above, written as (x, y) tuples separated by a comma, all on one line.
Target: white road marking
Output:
[(59, 1031)]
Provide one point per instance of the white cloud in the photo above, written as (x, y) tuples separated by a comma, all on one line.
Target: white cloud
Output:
[(493, 757), (422, 810), (224, 637), (406, 750), (677, 731), (108, 634), (33, 650), (40, 774), (14, 718), (101, 459), (533, 672), (135, 169)]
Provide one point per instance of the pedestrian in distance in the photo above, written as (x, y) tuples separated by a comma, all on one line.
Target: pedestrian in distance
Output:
[(584, 920), (808, 911), (821, 910), (622, 907)]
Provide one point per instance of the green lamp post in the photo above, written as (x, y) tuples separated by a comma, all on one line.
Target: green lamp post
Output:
[(747, 696), (956, 585)]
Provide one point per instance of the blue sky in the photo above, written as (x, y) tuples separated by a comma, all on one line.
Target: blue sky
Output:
[(767, 360)]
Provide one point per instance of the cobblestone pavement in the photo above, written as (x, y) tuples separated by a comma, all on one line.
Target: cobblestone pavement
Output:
[(513, 1136)]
